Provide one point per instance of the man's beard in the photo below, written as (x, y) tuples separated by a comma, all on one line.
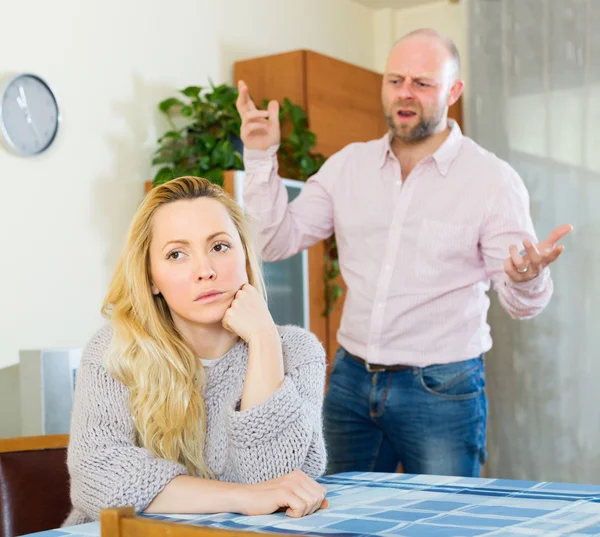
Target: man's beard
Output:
[(423, 129)]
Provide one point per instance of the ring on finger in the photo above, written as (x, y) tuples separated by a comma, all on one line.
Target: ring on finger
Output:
[(523, 253)]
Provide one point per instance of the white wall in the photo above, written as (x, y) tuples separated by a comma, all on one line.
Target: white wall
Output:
[(450, 19), (63, 215)]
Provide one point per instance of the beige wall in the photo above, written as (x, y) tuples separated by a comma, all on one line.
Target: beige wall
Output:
[(63, 215)]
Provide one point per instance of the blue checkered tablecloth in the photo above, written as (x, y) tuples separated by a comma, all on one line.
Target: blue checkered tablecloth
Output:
[(402, 505)]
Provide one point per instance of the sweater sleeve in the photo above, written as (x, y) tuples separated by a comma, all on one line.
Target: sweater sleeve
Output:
[(285, 432), (106, 467)]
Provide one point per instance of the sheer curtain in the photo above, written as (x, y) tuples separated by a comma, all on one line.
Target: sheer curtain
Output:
[(535, 102)]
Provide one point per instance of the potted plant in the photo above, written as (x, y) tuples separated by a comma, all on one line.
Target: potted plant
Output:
[(208, 141)]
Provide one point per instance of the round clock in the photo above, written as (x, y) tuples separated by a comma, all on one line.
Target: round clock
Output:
[(29, 114)]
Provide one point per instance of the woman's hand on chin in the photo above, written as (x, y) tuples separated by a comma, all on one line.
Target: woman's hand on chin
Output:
[(248, 316)]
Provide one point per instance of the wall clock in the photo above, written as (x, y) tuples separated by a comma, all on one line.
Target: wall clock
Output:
[(29, 114)]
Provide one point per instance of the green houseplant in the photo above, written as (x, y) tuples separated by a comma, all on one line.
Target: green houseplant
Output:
[(203, 140), (208, 141)]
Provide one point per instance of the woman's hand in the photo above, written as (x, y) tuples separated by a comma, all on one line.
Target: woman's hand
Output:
[(248, 316), (295, 492)]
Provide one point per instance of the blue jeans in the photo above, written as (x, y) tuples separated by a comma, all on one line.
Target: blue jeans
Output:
[(432, 420)]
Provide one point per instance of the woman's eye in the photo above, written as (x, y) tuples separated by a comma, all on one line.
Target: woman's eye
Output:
[(221, 247), (175, 255)]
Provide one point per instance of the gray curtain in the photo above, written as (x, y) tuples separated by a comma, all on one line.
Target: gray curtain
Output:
[(535, 102)]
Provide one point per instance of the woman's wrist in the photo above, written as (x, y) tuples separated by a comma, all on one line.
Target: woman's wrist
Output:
[(266, 335), (239, 498)]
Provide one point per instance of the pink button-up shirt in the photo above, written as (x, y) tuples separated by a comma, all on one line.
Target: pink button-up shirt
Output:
[(417, 256)]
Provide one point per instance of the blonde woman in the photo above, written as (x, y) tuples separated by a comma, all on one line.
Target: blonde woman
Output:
[(192, 400)]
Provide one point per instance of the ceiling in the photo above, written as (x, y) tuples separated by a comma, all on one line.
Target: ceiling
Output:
[(396, 4)]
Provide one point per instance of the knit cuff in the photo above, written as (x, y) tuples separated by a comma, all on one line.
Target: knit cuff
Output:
[(162, 472), (264, 422), (134, 481)]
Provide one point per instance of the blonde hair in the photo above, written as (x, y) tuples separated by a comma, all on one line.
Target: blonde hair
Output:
[(148, 354)]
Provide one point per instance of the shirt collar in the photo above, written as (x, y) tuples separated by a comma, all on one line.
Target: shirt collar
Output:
[(443, 157)]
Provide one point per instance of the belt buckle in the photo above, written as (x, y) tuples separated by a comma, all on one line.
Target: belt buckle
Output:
[(374, 368)]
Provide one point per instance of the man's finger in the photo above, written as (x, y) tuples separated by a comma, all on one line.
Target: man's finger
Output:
[(256, 114), (253, 127), (556, 235), (532, 253), (273, 109), (519, 263), (553, 255), (243, 102), (510, 269)]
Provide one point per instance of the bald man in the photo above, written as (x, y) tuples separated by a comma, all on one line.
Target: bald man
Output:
[(425, 220)]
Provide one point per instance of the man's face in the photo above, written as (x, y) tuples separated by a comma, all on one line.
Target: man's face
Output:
[(416, 88)]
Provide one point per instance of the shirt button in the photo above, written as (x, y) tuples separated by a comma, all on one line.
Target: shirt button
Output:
[(398, 182), (380, 305), (387, 267), (373, 347)]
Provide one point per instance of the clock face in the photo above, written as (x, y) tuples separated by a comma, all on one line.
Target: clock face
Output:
[(29, 115)]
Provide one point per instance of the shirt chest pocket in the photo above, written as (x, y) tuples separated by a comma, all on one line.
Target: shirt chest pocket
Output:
[(444, 249)]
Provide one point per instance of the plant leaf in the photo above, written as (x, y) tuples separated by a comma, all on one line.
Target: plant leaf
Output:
[(215, 176), (160, 160), (192, 91), (167, 104), (238, 161), (204, 163), (170, 134), (163, 175), (207, 140), (298, 115)]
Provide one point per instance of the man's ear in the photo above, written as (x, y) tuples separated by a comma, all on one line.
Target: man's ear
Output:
[(455, 92)]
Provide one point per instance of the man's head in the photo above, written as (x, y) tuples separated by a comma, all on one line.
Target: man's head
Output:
[(421, 80)]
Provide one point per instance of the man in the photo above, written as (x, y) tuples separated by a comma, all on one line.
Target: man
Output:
[(424, 219)]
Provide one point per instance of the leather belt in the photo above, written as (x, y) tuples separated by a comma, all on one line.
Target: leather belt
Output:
[(374, 368)]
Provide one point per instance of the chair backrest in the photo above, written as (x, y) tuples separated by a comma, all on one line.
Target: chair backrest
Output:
[(34, 484), (122, 522)]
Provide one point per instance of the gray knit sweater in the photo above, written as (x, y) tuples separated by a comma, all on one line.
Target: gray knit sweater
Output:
[(284, 433)]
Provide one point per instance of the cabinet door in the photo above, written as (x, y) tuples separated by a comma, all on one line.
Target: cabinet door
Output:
[(343, 103), (273, 77)]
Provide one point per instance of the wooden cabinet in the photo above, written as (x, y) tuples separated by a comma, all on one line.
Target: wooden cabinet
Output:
[(343, 105)]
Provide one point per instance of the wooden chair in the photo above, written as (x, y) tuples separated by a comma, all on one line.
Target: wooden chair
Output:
[(122, 522), (34, 484)]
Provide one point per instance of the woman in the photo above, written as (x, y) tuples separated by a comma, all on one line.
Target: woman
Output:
[(191, 400)]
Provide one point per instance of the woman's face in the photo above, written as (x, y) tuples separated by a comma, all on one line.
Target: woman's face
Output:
[(197, 260)]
